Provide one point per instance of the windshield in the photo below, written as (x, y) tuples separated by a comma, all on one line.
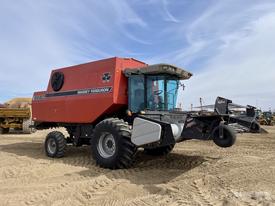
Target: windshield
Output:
[(157, 93), (172, 93)]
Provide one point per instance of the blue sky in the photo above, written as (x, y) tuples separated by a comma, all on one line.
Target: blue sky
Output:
[(228, 45)]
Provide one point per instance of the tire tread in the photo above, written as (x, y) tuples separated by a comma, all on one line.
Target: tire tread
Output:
[(61, 144), (126, 151)]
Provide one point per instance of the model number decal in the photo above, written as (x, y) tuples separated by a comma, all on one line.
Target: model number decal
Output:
[(40, 97), (78, 92), (94, 91)]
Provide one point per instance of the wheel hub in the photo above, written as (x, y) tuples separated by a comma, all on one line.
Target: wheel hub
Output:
[(109, 144), (52, 146), (106, 145)]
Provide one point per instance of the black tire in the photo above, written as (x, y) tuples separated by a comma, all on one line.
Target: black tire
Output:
[(159, 151), (255, 127), (229, 136), (58, 139), (122, 149)]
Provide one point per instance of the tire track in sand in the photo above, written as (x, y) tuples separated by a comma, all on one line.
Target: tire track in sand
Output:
[(78, 189)]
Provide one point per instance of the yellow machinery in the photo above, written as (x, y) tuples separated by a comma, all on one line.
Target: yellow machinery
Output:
[(266, 118), (16, 114)]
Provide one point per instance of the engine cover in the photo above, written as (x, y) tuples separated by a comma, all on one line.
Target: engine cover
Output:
[(145, 132)]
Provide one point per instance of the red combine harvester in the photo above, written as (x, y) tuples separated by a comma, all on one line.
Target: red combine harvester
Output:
[(117, 105)]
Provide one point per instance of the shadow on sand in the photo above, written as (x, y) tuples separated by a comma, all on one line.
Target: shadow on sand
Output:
[(147, 170)]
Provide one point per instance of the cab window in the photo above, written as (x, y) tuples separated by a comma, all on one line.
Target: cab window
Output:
[(136, 92)]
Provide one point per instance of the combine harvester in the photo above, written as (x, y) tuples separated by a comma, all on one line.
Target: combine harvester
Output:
[(118, 105)]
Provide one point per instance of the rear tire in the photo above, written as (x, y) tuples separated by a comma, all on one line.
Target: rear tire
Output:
[(228, 139), (111, 144), (159, 151), (55, 144)]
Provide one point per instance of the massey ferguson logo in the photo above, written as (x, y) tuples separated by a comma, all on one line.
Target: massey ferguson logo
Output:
[(106, 77)]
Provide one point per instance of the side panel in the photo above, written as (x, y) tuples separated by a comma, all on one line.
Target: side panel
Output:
[(89, 91), (145, 132), (83, 97)]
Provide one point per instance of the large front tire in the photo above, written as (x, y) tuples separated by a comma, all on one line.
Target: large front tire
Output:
[(111, 144), (159, 151), (55, 144)]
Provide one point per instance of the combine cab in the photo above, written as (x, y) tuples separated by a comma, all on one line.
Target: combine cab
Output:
[(118, 105)]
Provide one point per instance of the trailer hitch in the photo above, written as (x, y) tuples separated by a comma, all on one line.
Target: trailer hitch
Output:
[(221, 132)]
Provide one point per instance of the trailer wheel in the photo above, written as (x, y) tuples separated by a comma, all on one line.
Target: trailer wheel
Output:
[(111, 144), (255, 127), (26, 126), (159, 151), (55, 144), (228, 138)]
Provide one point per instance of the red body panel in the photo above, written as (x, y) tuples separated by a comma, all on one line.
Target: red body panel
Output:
[(51, 106)]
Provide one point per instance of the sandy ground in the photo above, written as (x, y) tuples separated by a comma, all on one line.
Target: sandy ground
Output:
[(195, 173)]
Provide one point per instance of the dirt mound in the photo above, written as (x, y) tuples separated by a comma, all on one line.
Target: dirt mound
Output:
[(18, 103)]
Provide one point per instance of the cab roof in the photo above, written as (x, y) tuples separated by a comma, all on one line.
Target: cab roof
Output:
[(159, 69)]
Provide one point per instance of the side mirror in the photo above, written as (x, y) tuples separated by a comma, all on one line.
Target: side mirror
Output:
[(181, 85)]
